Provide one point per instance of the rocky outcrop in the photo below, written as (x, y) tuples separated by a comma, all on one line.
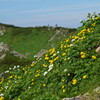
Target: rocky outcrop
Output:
[(58, 32), (2, 30), (94, 96), (41, 53), (5, 48)]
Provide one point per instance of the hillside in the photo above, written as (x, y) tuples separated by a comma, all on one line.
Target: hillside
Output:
[(32, 39), (30, 42), (70, 68)]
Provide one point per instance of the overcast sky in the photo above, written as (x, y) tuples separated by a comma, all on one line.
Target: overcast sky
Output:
[(66, 13)]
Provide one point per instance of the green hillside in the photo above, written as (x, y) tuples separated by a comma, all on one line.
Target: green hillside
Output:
[(32, 39), (69, 69), (29, 41)]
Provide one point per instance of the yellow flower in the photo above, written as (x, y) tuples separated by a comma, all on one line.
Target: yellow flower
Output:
[(82, 53), (32, 83), (82, 56), (89, 30), (64, 90), (44, 84), (93, 24), (65, 59), (44, 65), (1, 98), (46, 58), (37, 75), (74, 81), (83, 37), (19, 77), (50, 61), (76, 37), (46, 55), (32, 79), (67, 40), (19, 99), (96, 18), (65, 46), (55, 58), (94, 57), (62, 80), (68, 74), (84, 76), (68, 46), (63, 86), (54, 54), (32, 64), (63, 54), (11, 77), (37, 70)]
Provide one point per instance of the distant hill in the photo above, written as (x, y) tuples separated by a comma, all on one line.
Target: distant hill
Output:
[(30, 41)]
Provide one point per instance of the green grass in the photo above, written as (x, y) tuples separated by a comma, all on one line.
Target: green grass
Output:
[(69, 69), (29, 40)]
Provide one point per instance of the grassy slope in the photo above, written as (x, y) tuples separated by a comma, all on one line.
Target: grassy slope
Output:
[(68, 70), (29, 40)]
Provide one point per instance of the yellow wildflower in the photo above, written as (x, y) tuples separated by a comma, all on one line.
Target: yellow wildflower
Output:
[(32, 64), (63, 86), (67, 40), (84, 76), (55, 58), (65, 46), (44, 65), (63, 80), (64, 90), (50, 61), (68, 74), (82, 53), (37, 75), (46, 58), (46, 55), (1, 98), (63, 54), (32, 79), (82, 56), (11, 77), (94, 57), (74, 81), (54, 54), (44, 84), (93, 24), (65, 59), (68, 46), (96, 18), (32, 83), (83, 37), (19, 77)]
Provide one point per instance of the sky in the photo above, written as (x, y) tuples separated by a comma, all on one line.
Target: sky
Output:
[(31, 13)]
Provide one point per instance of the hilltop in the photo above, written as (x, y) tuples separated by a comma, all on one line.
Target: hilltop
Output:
[(70, 68)]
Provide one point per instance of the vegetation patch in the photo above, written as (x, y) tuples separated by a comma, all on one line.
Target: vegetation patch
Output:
[(70, 69)]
